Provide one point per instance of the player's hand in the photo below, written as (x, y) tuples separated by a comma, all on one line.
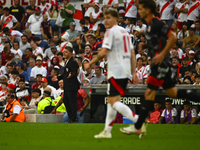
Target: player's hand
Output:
[(70, 75), (86, 66), (157, 60), (136, 79)]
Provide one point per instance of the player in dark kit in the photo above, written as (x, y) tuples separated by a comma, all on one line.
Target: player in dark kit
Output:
[(160, 39)]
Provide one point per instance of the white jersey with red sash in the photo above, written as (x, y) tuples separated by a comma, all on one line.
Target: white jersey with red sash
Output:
[(193, 10), (95, 16), (166, 6), (110, 2), (181, 17), (90, 9), (45, 8), (131, 9), (8, 21), (15, 33), (37, 50), (64, 44)]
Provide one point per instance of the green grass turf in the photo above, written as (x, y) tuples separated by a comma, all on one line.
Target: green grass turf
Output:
[(58, 136)]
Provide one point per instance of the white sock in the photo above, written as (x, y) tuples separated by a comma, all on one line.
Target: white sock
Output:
[(125, 111), (110, 118)]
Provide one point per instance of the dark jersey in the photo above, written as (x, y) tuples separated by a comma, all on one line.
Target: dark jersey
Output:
[(156, 35)]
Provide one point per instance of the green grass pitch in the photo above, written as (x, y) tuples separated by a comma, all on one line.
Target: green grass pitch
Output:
[(60, 136)]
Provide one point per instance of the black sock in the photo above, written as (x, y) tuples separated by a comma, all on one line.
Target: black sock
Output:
[(189, 95), (144, 112)]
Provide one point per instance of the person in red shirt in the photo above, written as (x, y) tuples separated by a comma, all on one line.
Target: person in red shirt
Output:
[(88, 53), (7, 56), (46, 25), (156, 113), (38, 83)]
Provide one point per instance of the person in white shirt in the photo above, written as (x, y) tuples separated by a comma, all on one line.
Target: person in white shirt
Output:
[(65, 41), (7, 19), (118, 47), (39, 69), (166, 8), (36, 50), (35, 21), (16, 48), (193, 11), (3, 40), (181, 8), (88, 5), (13, 35), (35, 93), (45, 7), (110, 4), (24, 44), (141, 25), (140, 67), (60, 90), (169, 113), (95, 18), (197, 79), (131, 9)]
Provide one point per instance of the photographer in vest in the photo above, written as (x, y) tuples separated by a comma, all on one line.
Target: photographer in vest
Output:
[(13, 111)]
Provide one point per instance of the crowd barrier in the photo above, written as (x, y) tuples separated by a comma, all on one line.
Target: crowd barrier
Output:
[(96, 110)]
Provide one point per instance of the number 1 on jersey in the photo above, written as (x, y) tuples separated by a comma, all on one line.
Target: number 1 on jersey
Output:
[(126, 44)]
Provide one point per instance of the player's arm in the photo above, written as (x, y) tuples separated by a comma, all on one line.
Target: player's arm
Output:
[(171, 40), (162, 120), (99, 56), (192, 121), (183, 120), (172, 120), (196, 120)]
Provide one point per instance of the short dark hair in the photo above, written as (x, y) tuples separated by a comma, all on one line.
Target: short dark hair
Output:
[(112, 12), (88, 45), (21, 80), (17, 42), (6, 29), (197, 76), (149, 4), (56, 70), (15, 72), (79, 59), (23, 98), (60, 53), (81, 51), (36, 39), (140, 58), (98, 68), (6, 8), (168, 100), (5, 83), (69, 49), (82, 21), (186, 103), (30, 49), (37, 91), (24, 36)]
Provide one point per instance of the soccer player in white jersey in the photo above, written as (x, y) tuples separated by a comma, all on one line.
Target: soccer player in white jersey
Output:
[(121, 64)]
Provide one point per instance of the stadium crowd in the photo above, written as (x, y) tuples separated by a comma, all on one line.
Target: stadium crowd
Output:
[(33, 39)]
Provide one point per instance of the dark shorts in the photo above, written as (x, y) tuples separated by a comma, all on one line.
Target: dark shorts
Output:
[(116, 87), (161, 76)]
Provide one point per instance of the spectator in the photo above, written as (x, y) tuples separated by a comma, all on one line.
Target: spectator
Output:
[(31, 65), (35, 21), (176, 66), (9, 69), (28, 55), (67, 12), (52, 51), (129, 25), (60, 57), (35, 93), (24, 44), (140, 67), (192, 61), (188, 114), (107, 4), (98, 78), (53, 14), (12, 81), (121, 21), (175, 29), (1, 11), (3, 40), (86, 82), (100, 27), (95, 18), (187, 79), (73, 34), (197, 27), (197, 67), (44, 6), (81, 53), (169, 113), (65, 41), (23, 102), (181, 8), (8, 20), (93, 42), (36, 50), (197, 79), (44, 84), (39, 69), (54, 63), (16, 48), (46, 101), (37, 84), (156, 113), (131, 9), (23, 91), (30, 9), (191, 40), (184, 67), (52, 78), (46, 26), (29, 35), (141, 26), (19, 68), (3, 69), (88, 5), (60, 90), (81, 74), (183, 33), (19, 13), (13, 35), (7, 56), (15, 107), (3, 91), (88, 52), (193, 11), (166, 11), (43, 44)]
